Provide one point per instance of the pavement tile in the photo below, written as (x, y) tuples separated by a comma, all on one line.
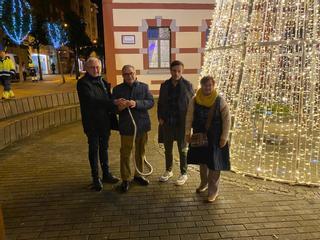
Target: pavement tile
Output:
[(50, 197), (210, 236), (264, 238)]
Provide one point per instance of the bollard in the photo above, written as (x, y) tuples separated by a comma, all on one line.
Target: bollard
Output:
[(2, 235)]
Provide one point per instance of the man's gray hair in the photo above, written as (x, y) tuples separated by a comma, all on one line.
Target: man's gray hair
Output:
[(90, 60), (127, 66)]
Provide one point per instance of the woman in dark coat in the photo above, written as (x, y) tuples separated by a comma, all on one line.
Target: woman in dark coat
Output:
[(214, 157)]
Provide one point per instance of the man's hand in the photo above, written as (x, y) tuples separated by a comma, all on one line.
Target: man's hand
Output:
[(161, 121), (132, 104), (121, 107), (222, 142), (188, 138), (121, 103)]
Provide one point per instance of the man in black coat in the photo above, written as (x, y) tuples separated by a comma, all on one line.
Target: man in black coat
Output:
[(139, 100), (96, 108), (175, 94)]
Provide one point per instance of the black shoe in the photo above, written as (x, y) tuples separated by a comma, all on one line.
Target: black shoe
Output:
[(110, 179), (125, 186), (141, 181), (97, 184)]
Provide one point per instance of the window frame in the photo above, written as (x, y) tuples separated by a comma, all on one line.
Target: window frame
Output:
[(159, 47)]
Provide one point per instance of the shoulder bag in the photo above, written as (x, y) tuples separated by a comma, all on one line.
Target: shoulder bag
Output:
[(201, 139)]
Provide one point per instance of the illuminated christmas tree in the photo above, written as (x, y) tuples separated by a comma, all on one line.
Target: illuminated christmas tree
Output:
[(57, 36), (16, 23), (16, 19), (264, 55)]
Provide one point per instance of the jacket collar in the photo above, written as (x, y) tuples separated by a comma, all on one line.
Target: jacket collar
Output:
[(180, 81), (91, 78), (135, 83)]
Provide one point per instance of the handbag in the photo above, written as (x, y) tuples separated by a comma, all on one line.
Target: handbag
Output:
[(201, 139)]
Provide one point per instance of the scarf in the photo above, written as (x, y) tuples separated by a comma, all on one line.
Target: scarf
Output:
[(206, 101)]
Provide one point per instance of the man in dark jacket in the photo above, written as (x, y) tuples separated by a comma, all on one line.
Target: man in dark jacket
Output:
[(139, 100), (96, 106), (173, 102)]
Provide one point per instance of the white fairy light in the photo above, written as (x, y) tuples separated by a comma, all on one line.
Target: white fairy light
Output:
[(265, 57)]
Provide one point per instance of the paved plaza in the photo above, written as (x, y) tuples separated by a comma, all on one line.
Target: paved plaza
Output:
[(45, 194), (49, 84)]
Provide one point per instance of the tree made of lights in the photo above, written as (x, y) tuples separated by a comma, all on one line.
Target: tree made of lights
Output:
[(16, 22), (16, 19), (57, 36), (265, 57)]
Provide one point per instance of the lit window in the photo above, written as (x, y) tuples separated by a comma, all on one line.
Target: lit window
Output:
[(159, 47)]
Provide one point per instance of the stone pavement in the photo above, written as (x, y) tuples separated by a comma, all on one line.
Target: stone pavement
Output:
[(45, 195)]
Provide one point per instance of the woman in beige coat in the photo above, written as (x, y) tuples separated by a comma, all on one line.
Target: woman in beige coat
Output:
[(214, 156)]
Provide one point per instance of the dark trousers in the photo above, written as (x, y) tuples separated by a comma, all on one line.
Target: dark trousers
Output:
[(24, 76), (6, 82), (98, 144), (170, 135)]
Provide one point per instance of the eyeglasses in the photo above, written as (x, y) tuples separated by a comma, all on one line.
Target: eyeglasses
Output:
[(128, 74)]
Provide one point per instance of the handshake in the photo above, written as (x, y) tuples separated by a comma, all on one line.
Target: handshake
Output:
[(122, 103)]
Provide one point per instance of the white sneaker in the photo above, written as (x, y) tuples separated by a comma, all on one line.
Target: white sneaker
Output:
[(165, 176), (182, 179)]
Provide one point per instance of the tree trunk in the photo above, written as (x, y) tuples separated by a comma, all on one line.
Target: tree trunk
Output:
[(39, 63), (60, 67), (20, 64)]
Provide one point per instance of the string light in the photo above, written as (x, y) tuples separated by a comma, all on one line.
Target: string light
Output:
[(265, 57), (57, 35), (16, 19)]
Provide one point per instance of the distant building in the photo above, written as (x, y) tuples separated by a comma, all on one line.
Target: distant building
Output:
[(151, 34), (55, 11), (81, 7)]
